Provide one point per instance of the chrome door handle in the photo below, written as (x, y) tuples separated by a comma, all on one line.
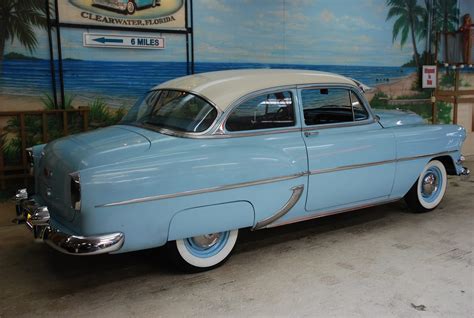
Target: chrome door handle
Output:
[(310, 133)]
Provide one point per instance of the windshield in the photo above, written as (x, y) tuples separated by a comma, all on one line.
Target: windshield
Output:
[(170, 109)]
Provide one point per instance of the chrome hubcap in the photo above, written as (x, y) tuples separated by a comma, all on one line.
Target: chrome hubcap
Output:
[(206, 241), (130, 7), (430, 184)]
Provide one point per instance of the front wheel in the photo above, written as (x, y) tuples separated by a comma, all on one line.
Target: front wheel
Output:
[(204, 252), (428, 191)]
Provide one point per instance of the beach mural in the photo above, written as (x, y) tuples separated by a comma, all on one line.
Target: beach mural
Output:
[(379, 43)]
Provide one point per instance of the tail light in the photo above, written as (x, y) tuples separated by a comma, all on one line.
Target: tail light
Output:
[(75, 191)]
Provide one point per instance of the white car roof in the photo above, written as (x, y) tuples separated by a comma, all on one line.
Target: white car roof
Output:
[(225, 87)]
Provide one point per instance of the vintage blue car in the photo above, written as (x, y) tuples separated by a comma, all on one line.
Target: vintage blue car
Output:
[(126, 6), (202, 156)]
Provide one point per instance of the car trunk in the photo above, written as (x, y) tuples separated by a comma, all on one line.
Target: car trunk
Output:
[(71, 154)]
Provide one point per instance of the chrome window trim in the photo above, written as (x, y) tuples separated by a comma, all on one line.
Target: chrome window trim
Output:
[(222, 130), (182, 134), (217, 129), (268, 180), (372, 118)]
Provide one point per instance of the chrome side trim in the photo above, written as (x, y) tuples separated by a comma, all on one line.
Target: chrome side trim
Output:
[(265, 181), (295, 196), (377, 163), (427, 156), (321, 214), (205, 190)]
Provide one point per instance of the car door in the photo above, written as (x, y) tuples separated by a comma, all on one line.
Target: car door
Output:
[(350, 155)]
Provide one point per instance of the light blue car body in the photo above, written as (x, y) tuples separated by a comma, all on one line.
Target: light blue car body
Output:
[(122, 4), (154, 187)]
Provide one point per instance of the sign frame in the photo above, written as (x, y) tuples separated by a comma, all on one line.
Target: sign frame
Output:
[(120, 41), (73, 12), (54, 27)]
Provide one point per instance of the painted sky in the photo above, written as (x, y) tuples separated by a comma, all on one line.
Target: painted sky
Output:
[(336, 32)]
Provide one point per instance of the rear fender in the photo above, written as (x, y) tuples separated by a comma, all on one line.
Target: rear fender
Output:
[(211, 219)]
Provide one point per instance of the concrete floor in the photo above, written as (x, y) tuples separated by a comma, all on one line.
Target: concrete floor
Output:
[(376, 262)]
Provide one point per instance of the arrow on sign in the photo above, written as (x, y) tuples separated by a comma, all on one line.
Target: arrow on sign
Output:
[(105, 40)]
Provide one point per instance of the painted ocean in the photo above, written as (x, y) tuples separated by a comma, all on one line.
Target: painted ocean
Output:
[(128, 80)]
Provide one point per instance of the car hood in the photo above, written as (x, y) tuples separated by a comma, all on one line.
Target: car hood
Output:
[(393, 118)]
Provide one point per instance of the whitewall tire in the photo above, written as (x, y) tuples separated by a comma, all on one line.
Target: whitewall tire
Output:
[(428, 191), (203, 252)]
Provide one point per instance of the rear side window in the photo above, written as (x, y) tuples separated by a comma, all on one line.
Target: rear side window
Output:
[(174, 110), (331, 106), (266, 111)]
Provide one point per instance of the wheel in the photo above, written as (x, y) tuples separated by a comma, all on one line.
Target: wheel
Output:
[(204, 252), (131, 7), (428, 191)]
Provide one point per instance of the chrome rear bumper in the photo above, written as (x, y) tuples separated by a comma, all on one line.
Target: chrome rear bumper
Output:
[(37, 219), (465, 172)]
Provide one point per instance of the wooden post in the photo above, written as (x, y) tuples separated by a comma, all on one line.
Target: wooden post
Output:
[(24, 161), (44, 119), (65, 125), (2, 166), (472, 128), (456, 90), (85, 118)]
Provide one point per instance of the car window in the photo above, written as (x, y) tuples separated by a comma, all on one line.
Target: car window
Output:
[(360, 113), (331, 106), (175, 110), (266, 111)]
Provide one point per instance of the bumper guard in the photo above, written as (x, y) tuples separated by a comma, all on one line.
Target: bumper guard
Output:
[(37, 219)]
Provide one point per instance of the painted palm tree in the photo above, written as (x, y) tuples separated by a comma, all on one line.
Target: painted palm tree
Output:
[(18, 19), (447, 15), (444, 18), (408, 14), (428, 28)]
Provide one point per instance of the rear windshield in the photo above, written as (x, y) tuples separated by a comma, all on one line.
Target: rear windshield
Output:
[(170, 109)]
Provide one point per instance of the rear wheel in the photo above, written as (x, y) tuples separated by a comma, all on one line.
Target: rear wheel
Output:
[(428, 191), (204, 252)]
